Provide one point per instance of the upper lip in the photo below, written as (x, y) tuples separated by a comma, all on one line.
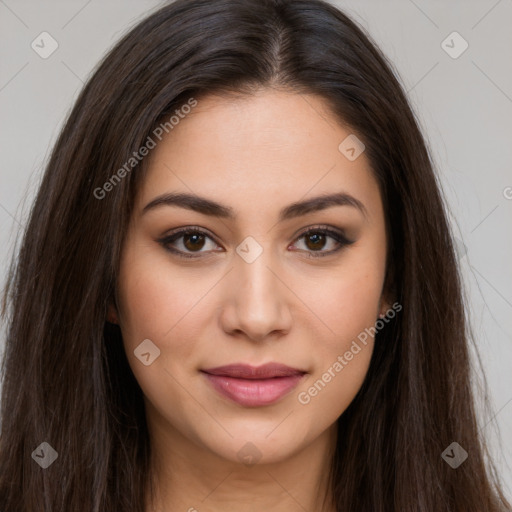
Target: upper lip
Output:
[(245, 371)]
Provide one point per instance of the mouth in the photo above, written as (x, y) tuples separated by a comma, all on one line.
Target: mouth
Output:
[(252, 386)]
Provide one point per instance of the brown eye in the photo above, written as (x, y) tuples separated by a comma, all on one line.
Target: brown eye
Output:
[(316, 239), (193, 241), (186, 242), (189, 243)]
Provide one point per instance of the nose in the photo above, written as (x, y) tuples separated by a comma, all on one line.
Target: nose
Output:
[(256, 300)]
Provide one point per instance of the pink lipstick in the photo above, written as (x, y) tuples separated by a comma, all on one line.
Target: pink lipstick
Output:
[(252, 386)]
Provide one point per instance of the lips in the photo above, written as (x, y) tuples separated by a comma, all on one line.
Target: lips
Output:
[(252, 386)]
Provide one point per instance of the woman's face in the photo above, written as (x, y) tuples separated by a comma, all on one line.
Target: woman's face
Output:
[(251, 288)]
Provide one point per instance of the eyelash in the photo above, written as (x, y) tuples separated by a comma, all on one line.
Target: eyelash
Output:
[(324, 230)]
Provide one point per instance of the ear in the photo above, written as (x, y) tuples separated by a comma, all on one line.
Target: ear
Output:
[(389, 292), (112, 315), (384, 305), (382, 313)]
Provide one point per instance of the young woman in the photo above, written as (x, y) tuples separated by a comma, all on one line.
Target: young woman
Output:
[(238, 289)]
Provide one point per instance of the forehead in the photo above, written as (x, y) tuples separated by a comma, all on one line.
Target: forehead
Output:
[(273, 147)]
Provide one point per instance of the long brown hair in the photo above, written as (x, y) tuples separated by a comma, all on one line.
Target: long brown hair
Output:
[(66, 379)]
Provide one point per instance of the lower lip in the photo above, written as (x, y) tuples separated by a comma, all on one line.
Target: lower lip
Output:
[(253, 392)]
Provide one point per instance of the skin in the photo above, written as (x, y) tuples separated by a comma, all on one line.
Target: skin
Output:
[(257, 155)]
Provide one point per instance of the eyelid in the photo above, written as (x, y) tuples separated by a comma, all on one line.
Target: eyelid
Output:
[(188, 229), (336, 233), (166, 239), (330, 230)]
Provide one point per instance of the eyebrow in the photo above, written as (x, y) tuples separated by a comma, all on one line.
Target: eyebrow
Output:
[(212, 208)]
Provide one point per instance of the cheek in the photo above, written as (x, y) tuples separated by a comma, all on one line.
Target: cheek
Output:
[(159, 305), (327, 394), (342, 356), (347, 305)]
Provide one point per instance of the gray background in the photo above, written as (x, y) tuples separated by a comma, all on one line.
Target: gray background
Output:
[(464, 105)]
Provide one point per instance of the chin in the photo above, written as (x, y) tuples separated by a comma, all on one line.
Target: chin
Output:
[(253, 443)]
